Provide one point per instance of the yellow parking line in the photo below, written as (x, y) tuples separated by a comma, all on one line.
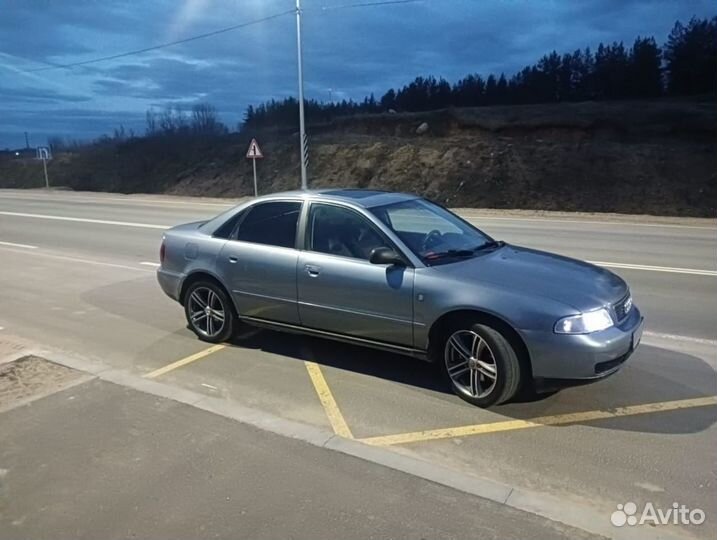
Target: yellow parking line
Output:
[(338, 423), (554, 420), (183, 362)]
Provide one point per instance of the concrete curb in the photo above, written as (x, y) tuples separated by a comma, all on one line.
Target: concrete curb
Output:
[(573, 514)]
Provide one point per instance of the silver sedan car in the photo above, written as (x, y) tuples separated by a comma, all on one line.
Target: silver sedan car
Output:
[(397, 272)]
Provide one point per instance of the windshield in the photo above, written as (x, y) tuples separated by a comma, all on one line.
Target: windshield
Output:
[(433, 233)]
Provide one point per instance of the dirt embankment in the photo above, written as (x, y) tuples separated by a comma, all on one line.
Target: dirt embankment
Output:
[(629, 157)]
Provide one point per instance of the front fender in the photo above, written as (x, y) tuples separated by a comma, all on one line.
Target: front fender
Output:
[(437, 296)]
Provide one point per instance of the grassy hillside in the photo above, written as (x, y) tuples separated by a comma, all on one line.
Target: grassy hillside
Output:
[(632, 157)]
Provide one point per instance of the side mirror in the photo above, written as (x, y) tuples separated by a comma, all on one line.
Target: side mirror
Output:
[(385, 255)]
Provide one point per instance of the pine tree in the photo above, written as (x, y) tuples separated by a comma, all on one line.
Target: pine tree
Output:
[(691, 57), (645, 71)]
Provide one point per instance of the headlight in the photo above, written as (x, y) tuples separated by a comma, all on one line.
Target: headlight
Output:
[(586, 323)]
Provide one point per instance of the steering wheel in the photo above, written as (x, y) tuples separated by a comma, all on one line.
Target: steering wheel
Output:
[(431, 239)]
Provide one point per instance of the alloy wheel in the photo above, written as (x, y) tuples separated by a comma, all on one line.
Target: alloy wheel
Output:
[(470, 364), (207, 312)]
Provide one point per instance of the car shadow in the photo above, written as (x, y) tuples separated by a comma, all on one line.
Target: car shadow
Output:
[(371, 362), (652, 375)]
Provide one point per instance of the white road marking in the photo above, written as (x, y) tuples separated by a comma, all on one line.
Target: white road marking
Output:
[(205, 385), (473, 217), (13, 244), (84, 261), (668, 269), (146, 263), (649, 268), (87, 220), (674, 337), (128, 201)]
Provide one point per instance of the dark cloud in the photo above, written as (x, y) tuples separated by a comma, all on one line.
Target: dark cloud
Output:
[(353, 52), (39, 96), (70, 122)]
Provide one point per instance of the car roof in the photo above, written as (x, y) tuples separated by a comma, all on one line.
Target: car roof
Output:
[(367, 198)]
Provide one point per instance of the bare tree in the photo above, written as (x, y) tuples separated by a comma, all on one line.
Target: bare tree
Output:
[(173, 121), (205, 120), (202, 120), (56, 143), (151, 123), (119, 134)]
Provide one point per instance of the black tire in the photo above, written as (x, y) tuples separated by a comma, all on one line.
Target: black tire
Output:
[(198, 293), (506, 365)]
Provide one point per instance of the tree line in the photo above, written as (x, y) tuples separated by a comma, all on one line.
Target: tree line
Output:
[(202, 120), (686, 64)]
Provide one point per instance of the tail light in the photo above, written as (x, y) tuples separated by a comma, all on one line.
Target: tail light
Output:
[(162, 250)]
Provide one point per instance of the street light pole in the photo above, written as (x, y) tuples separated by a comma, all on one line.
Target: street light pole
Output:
[(302, 127)]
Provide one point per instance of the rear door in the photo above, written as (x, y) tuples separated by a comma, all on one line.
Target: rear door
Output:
[(340, 291), (259, 262)]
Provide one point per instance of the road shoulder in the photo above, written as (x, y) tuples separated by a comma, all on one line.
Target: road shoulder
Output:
[(106, 460)]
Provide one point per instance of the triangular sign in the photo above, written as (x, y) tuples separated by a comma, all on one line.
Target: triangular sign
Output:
[(254, 151)]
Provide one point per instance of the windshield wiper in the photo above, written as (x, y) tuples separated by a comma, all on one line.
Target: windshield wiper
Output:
[(449, 253), (490, 245)]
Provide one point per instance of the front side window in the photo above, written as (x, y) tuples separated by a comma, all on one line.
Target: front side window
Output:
[(433, 233), (271, 223), (341, 231)]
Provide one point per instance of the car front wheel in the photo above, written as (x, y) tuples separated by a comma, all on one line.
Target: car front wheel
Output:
[(481, 365)]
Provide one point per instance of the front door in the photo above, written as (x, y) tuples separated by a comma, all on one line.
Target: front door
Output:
[(340, 291)]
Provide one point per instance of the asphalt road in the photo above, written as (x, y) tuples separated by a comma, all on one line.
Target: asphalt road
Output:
[(77, 275)]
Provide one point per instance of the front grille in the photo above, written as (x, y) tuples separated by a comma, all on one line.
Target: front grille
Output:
[(623, 307)]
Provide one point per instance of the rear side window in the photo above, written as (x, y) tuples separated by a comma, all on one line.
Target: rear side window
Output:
[(225, 231), (272, 223)]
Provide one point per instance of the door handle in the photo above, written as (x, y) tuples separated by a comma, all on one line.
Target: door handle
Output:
[(233, 260), (312, 270)]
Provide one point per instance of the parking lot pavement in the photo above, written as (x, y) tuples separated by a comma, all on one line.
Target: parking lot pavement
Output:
[(644, 435), (104, 461)]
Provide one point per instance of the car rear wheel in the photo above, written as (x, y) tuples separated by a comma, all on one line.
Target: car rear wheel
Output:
[(209, 312), (481, 365)]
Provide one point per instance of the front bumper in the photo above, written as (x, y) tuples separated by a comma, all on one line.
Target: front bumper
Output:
[(580, 359)]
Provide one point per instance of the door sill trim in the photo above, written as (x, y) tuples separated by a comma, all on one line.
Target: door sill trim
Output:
[(382, 345)]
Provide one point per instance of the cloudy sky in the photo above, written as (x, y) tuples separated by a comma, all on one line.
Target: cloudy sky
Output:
[(348, 51)]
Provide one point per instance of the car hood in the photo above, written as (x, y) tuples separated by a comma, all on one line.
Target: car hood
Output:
[(576, 283)]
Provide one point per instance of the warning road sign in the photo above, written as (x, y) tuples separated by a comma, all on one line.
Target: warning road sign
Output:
[(43, 152), (254, 151)]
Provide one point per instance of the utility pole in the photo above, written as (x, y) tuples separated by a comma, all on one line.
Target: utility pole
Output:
[(44, 166), (302, 127)]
